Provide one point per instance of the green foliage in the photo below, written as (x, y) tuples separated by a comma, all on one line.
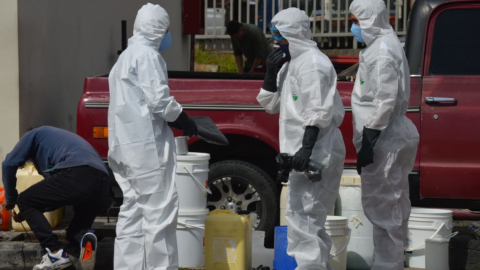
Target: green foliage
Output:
[(225, 62)]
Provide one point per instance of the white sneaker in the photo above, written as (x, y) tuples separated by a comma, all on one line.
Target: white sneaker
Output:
[(57, 261), (88, 247)]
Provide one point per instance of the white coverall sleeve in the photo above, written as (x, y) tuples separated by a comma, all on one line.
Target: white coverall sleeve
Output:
[(317, 94), (385, 84), (154, 85), (269, 101)]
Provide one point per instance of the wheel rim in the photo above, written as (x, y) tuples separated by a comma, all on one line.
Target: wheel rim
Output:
[(237, 194)]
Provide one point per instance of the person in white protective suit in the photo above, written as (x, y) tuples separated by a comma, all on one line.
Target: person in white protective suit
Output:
[(386, 140), (142, 147), (305, 94)]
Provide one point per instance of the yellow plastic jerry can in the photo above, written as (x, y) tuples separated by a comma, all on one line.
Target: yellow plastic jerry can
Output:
[(27, 176), (228, 241)]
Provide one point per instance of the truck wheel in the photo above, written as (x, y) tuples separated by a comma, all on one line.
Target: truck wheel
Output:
[(246, 189)]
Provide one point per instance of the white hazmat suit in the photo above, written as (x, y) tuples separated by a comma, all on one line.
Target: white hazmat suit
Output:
[(379, 101), (142, 148), (307, 96)]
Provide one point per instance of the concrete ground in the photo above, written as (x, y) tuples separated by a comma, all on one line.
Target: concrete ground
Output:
[(23, 254), (17, 252)]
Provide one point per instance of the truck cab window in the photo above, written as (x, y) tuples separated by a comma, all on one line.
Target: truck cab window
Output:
[(456, 43)]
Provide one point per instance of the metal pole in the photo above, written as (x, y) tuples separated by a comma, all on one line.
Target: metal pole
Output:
[(405, 17), (314, 17), (338, 22), (397, 11), (206, 20), (231, 9), (248, 11), (256, 12), (192, 53), (240, 10), (215, 18), (265, 16), (322, 28), (273, 10), (346, 20)]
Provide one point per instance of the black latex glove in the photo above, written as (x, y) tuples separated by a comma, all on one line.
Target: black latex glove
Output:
[(188, 125), (18, 217), (270, 81), (365, 155), (302, 157), (8, 206)]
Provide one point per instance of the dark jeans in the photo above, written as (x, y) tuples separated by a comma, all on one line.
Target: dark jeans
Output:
[(85, 188)]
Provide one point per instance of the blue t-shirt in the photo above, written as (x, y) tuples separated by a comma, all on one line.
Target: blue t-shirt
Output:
[(49, 148)]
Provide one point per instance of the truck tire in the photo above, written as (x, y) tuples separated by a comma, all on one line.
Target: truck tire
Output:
[(244, 188), (464, 252)]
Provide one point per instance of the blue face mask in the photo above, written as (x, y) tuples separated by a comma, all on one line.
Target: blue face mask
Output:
[(286, 51), (166, 42), (357, 32)]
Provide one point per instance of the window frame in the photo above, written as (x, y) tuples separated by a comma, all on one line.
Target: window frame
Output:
[(429, 35)]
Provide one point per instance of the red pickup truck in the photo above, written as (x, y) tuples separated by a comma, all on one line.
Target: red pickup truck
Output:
[(443, 50)]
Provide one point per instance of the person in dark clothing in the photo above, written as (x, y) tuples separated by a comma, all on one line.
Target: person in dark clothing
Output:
[(74, 175), (248, 40)]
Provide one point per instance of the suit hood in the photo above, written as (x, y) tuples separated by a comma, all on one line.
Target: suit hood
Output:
[(151, 25), (373, 18), (294, 25)]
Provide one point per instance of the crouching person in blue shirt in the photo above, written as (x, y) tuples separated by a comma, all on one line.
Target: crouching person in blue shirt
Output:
[(74, 175)]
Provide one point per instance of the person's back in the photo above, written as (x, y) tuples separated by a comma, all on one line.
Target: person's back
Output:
[(74, 175), (50, 148), (250, 41)]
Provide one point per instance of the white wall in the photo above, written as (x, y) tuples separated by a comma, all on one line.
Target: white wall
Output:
[(9, 106), (63, 41)]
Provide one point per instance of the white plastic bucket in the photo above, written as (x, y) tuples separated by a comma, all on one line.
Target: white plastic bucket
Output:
[(337, 228), (436, 253), (190, 235), (425, 224), (260, 254), (349, 204), (283, 205), (192, 181)]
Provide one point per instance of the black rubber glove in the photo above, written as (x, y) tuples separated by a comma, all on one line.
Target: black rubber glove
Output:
[(8, 206), (188, 125), (365, 155), (302, 157), (273, 59)]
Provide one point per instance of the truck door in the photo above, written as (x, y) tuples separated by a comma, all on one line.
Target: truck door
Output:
[(450, 125)]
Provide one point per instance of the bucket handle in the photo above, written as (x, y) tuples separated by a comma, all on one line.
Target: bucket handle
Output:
[(190, 225), (422, 246), (343, 248), (206, 189)]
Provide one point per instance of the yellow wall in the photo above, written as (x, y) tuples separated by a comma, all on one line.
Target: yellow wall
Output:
[(9, 82)]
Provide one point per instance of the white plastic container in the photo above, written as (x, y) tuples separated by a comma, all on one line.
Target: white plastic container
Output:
[(349, 204), (192, 181), (283, 205), (260, 254), (436, 253), (337, 228), (190, 235), (426, 224), (181, 144), (215, 21), (28, 176)]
